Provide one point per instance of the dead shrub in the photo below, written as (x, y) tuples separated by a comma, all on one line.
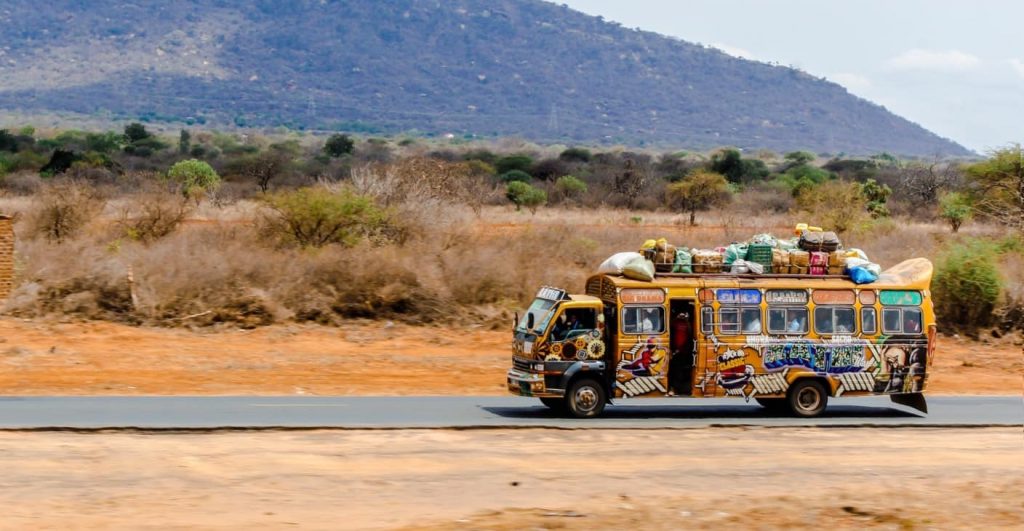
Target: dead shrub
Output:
[(152, 215), (21, 183), (63, 209)]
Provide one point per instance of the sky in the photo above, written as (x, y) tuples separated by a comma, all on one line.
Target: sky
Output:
[(955, 67)]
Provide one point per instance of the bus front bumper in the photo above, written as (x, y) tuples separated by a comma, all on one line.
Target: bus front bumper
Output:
[(530, 384)]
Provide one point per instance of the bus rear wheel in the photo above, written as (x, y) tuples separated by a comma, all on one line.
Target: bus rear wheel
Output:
[(807, 398), (585, 398)]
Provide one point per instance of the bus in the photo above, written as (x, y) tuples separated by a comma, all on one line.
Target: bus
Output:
[(787, 342)]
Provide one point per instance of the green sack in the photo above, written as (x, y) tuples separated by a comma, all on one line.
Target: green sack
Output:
[(736, 251), (684, 261)]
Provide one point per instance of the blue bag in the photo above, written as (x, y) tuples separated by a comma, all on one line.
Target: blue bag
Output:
[(860, 275)]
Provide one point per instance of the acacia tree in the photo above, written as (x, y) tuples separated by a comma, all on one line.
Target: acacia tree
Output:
[(698, 191), (999, 183)]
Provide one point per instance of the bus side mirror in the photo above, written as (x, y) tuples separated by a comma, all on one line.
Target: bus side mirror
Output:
[(529, 321)]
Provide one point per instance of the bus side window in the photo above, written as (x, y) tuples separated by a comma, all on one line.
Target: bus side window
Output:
[(787, 320), (729, 320), (845, 319), (643, 320), (707, 320), (891, 321), (867, 321), (834, 320), (751, 319), (911, 320)]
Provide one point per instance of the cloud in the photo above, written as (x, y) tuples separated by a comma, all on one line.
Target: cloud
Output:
[(851, 81), (1018, 66), (734, 51), (939, 61)]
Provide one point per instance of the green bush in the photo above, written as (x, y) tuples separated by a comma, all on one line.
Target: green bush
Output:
[(966, 286), (524, 195), (876, 195), (318, 216), (338, 145), (513, 162), (195, 177), (515, 175), (955, 208), (576, 154), (570, 187)]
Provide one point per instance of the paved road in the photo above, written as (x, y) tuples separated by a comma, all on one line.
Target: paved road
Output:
[(467, 412)]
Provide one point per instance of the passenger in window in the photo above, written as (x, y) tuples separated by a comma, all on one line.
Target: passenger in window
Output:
[(911, 323), (753, 326), (796, 326), (651, 321), (844, 323)]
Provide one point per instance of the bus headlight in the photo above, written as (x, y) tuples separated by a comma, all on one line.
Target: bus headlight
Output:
[(539, 367)]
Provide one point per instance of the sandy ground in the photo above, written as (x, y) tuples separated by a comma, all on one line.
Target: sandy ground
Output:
[(542, 479), (363, 358)]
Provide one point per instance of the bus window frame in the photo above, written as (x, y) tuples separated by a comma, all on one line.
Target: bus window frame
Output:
[(833, 308), (707, 319), (740, 328), (785, 331), (902, 319), (874, 320), (622, 319)]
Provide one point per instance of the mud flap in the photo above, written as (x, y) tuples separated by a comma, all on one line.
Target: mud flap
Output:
[(914, 400)]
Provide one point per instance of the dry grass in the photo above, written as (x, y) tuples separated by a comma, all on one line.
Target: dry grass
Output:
[(456, 264)]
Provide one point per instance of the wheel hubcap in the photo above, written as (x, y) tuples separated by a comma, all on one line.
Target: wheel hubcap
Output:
[(808, 399), (586, 398)]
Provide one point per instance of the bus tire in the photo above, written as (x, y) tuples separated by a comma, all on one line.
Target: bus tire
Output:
[(585, 398), (773, 405), (556, 404), (807, 398)]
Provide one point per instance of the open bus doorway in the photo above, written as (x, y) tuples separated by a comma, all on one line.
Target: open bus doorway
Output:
[(682, 329)]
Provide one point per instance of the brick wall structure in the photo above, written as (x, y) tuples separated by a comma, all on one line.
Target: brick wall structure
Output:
[(6, 255)]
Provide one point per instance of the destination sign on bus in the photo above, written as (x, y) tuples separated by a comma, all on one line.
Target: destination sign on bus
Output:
[(738, 296), (786, 296), (645, 296)]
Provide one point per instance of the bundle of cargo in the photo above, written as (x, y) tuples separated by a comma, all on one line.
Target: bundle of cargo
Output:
[(819, 241), (629, 265), (815, 252), (707, 261), (667, 258), (763, 254)]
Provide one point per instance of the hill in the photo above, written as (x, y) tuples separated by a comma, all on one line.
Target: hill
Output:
[(476, 67)]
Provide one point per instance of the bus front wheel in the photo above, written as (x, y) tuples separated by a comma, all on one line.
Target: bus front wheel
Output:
[(807, 398), (585, 398)]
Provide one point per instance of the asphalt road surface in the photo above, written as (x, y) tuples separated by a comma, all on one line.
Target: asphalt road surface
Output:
[(243, 412)]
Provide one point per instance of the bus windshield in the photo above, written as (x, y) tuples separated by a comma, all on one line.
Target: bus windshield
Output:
[(542, 310)]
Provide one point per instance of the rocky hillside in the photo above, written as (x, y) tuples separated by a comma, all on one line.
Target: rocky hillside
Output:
[(483, 67)]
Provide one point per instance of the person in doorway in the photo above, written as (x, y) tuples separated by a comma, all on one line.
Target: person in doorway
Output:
[(682, 354)]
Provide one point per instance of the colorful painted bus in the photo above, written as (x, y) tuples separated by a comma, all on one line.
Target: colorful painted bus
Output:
[(787, 342)]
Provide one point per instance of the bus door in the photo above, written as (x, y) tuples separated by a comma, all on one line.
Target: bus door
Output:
[(682, 331)]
